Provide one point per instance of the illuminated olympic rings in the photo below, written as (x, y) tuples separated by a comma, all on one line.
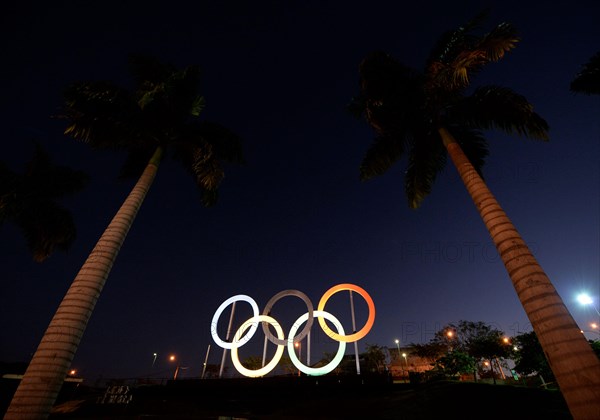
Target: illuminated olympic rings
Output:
[(251, 325)]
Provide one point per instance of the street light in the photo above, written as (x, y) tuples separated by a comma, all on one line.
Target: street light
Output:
[(585, 300), (398, 347), (594, 329), (154, 360)]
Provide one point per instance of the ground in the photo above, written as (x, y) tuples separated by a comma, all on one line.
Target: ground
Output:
[(314, 398)]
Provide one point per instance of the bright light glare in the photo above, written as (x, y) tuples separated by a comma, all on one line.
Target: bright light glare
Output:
[(584, 299)]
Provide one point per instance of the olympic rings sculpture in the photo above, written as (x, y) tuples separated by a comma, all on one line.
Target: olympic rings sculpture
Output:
[(251, 325)]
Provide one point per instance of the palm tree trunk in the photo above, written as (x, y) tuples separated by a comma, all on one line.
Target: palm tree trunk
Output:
[(571, 358), (46, 372)]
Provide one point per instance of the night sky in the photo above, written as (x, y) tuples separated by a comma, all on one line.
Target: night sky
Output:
[(295, 216)]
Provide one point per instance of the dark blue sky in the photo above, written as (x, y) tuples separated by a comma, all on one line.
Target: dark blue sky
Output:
[(296, 216)]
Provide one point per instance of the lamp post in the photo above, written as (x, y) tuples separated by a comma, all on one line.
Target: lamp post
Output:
[(450, 335), (405, 363), (398, 346), (154, 360), (172, 358), (298, 346)]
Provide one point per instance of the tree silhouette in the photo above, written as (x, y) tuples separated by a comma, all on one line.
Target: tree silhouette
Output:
[(588, 80), (29, 200), (161, 114)]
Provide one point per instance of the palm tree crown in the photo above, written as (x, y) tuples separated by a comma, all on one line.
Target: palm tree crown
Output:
[(162, 112), (406, 107), (29, 200)]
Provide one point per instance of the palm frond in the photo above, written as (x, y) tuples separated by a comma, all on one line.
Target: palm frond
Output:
[(503, 38), (382, 77), (208, 173), (466, 55), (202, 149), (148, 70), (198, 106), (226, 145), (46, 226), (383, 153), (452, 42), (426, 159), (492, 107), (209, 197), (389, 92), (588, 80), (458, 71), (29, 201), (100, 114), (48, 180), (183, 88)]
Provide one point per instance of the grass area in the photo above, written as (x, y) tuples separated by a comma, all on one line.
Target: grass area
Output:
[(322, 398)]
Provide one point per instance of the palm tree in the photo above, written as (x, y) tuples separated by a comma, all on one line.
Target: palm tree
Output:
[(588, 80), (29, 201), (429, 115), (162, 113)]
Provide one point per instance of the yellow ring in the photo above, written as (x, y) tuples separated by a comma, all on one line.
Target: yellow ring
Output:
[(253, 322), (370, 320)]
